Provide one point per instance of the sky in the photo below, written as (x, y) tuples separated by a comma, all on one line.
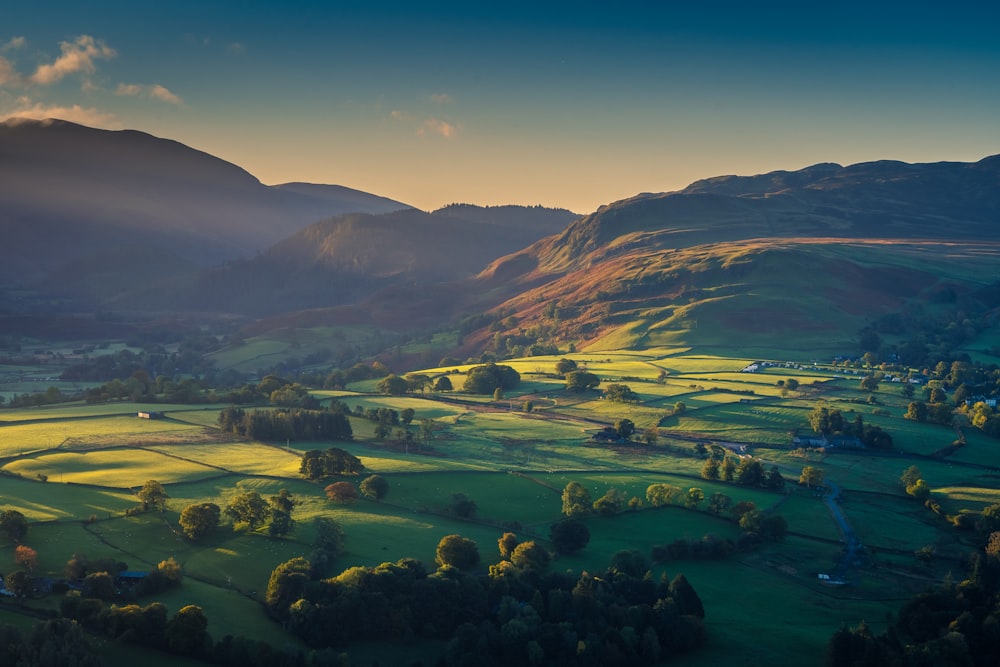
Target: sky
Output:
[(562, 104)]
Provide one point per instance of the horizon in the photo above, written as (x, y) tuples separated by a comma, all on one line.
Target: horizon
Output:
[(563, 105)]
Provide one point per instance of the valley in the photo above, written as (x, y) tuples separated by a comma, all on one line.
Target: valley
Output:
[(73, 471)]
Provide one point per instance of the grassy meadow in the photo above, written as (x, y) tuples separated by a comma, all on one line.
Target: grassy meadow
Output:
[(72, 470)]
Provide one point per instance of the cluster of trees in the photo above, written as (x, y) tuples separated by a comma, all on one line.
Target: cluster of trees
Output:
[(53, 642), (620, 393), (951, 624), (518, 613), (745, 471), (488, 378), (374, 487), (576, 501), (288, 423), (317, 464), (830, 422), (246, 509)]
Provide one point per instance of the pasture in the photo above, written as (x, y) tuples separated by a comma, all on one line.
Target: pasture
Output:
[(514, 465)]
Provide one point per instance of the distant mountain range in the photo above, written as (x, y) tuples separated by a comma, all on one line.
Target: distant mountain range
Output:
[(72, 197), (125, 222)]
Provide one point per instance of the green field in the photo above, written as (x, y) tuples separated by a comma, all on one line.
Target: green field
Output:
[(513, 465)]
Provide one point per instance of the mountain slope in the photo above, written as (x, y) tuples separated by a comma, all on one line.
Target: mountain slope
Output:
[(69, 193), (819, 252), (350, 258)]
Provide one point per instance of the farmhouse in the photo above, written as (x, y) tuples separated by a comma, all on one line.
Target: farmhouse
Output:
[(149, 415)]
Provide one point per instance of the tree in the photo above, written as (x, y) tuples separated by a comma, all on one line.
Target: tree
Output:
[(443, 383), (610, 503), (576, 500), (869, 383), (917, 411), (630, 562), (153, 496), (651, 435), (919, 489), (581, 381), (462, 506), (318, 464), (719, 502), (187, 632), (569, 536), (393, 385), (26, 556), (530, 556), (694, 498), (14, 525), (100, 585), (727, 471), (564, 366), (620, 393), (286, 584), (498, 394), (248, 508), (375, 487), (659, 495), (910, 476), (625, 428), (680, 408), (506, 544), (200, 519), (19, 583), (344, 493), (406, 416), (457, 551), (485, 379), (811, 477), (710, 469)]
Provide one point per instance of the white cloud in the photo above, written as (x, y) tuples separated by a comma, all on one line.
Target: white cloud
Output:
[(129, 90), (442, 98), (8, 75), (155, 91), (436, 126), (75, 114), (77, 56), (14, 43)]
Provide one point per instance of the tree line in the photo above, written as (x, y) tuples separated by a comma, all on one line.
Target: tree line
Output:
[(287, 423), (517, 613)]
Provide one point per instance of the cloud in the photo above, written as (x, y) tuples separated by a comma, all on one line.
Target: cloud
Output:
[(14, 43), (155, 91), (75, 114), (129, 90), (236, 49), (436, 126), (77, 56), (442, 98), (8, 75), (400, 115)]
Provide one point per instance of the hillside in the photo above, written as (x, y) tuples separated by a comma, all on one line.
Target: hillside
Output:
[(351, 258), (70, 195), (817, 253)]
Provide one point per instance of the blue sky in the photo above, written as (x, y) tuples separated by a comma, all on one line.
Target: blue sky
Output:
[(571, 104)]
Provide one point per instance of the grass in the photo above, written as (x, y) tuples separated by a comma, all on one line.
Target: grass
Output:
[(514, 466)]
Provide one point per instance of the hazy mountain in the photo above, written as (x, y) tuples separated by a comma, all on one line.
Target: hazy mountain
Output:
[(817, 252), (71, 195), (349, 258)]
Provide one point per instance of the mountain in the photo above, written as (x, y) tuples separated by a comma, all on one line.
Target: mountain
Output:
[(74, 197), (749, 261), (351, 258)]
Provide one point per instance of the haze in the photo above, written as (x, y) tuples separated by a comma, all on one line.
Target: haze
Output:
[(563, 104)]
